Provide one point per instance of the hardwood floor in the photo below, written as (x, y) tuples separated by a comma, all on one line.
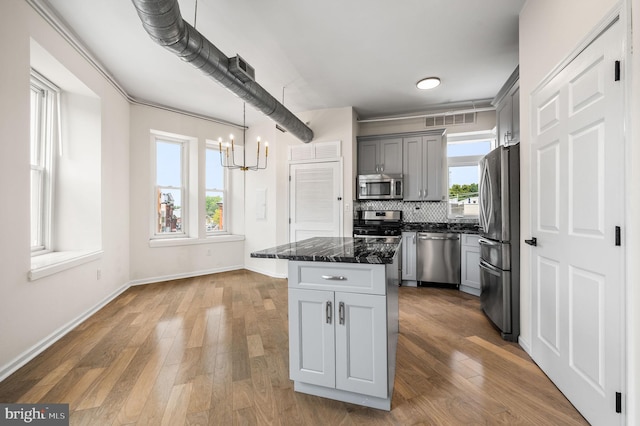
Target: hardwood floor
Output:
[(213, 350)]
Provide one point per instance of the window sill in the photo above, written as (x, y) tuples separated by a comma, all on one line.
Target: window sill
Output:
[(52, 263), (173, 242)]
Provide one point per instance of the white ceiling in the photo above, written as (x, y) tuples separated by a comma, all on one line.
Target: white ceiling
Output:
[(320, 54)]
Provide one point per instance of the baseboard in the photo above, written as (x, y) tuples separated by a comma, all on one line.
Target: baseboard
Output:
[(43, 344), (524, 344), (184, 275), (265, 272)]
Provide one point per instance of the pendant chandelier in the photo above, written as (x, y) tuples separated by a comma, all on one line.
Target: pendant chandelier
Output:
[(228, 160)]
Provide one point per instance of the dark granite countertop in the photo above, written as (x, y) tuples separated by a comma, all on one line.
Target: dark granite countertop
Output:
[(463, 228), (332, 249)]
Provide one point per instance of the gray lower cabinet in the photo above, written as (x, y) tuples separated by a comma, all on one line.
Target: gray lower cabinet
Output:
[(470, 264), (342, 336), (409, 275)]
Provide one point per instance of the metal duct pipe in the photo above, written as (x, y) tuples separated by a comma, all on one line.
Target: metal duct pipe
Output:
[(164, 23)]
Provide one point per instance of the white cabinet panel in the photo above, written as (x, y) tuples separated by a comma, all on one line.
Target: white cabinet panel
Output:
[(470, 264), (311, 337), (409, 275), (361, 344)]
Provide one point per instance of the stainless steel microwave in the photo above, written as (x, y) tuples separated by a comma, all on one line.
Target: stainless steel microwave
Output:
[(379, 187)]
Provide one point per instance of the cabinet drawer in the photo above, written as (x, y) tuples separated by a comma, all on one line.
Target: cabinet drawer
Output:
[(470, 240), (347, 277)]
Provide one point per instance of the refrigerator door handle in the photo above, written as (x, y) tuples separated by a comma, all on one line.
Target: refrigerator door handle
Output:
[(492, 269), (484, 197), (487, 242)]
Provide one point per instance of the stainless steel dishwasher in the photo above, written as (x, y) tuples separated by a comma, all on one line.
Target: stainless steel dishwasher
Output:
[(438, 258)]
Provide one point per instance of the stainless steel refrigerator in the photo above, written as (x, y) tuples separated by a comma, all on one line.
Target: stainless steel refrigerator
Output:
[(499, 246)]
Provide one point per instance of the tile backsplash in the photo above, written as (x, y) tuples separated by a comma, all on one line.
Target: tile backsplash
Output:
[(412, 211)]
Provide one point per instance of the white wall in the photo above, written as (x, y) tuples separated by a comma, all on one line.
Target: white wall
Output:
[(202, 255), (550, 31), (33, 313), (327, 125)]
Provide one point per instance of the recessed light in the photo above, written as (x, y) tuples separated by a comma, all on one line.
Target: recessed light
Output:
[(428, 83)]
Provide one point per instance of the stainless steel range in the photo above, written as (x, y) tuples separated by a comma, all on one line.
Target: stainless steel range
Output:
[(379, 225)]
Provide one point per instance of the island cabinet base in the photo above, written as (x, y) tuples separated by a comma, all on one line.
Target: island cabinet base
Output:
[(343, 330), (344, 396)]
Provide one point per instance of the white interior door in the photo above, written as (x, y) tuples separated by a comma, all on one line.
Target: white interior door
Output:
[(577, 202), (315, 200)]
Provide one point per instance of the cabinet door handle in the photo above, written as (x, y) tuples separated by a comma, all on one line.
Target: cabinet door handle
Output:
[(341, 313), (329, 312), (334, 277)]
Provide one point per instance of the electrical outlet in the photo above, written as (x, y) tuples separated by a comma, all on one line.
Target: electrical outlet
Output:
[(208, 252), (346, 208), (98, 274)]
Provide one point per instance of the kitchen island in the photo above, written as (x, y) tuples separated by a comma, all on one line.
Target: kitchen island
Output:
[(343, 317)]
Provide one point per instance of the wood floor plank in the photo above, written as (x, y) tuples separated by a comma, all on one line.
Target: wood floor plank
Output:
[(158, 398), (213, 350), (175, 412), (135, 402), (98, 393)]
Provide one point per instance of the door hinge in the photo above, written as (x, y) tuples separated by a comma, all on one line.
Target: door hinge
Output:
[(618, 238), (617, 71), (289, 221), (289, 178), (618, 402)]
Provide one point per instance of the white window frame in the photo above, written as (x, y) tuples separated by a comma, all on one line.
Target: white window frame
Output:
[(470, 160), (45, 126), (210, 145), (183, 142)]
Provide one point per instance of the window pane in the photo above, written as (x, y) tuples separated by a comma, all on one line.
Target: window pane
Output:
[(215, 217), (168, 164), (169, 210), (36, 209), (468, 148), (463, 190), (215, 176), (35, 125)]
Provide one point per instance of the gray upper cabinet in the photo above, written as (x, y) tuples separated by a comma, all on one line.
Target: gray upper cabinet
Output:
[(423, 168), (507, 104), (379, 155)]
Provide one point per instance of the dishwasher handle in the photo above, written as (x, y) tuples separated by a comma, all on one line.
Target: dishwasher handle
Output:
[(438, 238)]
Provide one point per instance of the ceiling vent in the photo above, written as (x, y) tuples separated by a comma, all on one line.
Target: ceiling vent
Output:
[(241, 69), (450, 119), (162, 20)]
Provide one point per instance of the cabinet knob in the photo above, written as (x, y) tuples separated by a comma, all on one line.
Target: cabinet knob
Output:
[(341, 313)]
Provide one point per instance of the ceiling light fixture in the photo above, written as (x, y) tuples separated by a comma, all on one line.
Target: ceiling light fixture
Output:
[(428, 83), (229, 161)]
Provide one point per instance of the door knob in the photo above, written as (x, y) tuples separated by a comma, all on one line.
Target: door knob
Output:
[(532, 242)]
